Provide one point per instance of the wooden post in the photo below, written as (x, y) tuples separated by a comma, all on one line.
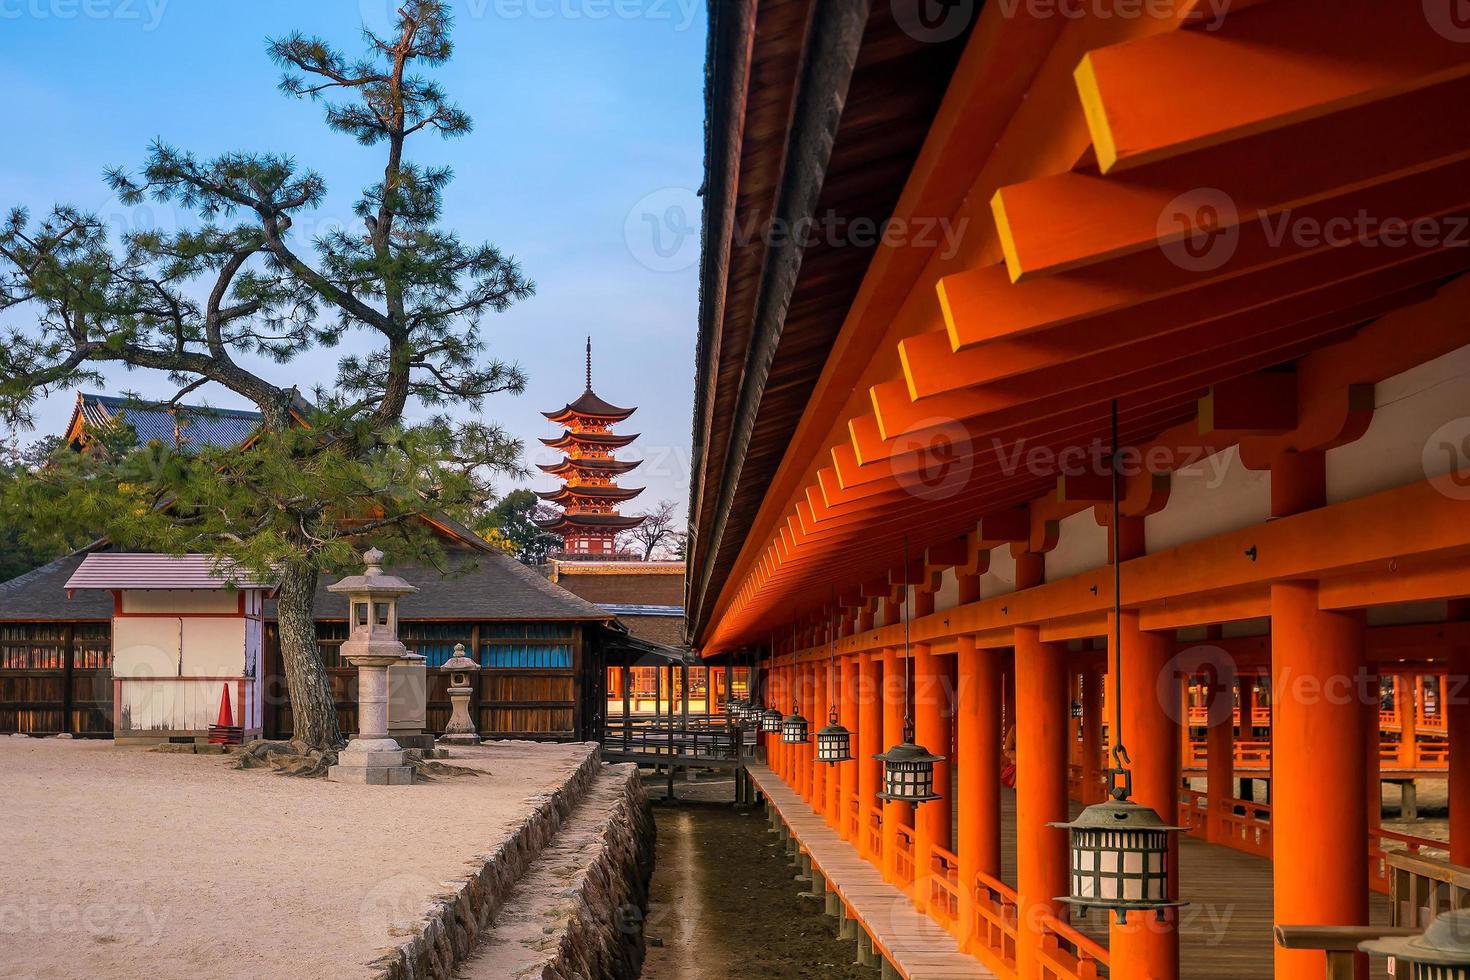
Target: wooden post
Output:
[(1454, 700), (627, 675), (869, 744), (1144, 947), (1405, 700), (895, 815), (68, 664), (847, 772), (1372, 747), (1041, 791), (1220, 758), (978, 745), (818, 710), (1092, 722), (1319, 865), (931, 729)]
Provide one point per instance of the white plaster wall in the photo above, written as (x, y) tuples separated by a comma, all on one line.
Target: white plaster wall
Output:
[(1212, 496), (1082, 545), (146, 647), (1001, 578), (175, 601), (948, 595), (1409, 409), (214, 647)]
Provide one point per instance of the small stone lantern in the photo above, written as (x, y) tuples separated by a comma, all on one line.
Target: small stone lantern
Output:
[(372, 646), (461, 727)]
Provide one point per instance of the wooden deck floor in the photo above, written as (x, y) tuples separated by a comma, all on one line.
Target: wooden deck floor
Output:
[(1225, 932), (913, 943)]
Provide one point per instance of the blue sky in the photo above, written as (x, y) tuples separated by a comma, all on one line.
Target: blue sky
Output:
[(586, 152)]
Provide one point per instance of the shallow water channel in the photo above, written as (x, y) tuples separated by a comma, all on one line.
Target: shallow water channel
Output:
[(725, 904)]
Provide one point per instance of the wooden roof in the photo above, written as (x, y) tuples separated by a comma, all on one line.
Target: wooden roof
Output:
[(1139, 198), (810, 112)]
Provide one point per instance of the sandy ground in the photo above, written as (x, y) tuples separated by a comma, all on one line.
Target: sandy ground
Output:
[(126, 863)]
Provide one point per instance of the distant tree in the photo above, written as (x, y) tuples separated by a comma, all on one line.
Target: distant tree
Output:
[(656, 534), (26, 543), (243, 288), (512, 518)]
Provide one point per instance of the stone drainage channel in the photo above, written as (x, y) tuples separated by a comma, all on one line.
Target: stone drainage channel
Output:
[(724, 901)]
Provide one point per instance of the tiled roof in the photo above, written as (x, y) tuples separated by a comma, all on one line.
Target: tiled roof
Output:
[(478, 586), (40, 595), (133, 570), (592, 406), (181, 425)]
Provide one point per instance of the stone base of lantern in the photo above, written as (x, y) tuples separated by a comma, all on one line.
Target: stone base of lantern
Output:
[(372, 762), (459, 738)]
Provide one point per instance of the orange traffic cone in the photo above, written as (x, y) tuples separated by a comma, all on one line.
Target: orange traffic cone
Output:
[(223, 731)]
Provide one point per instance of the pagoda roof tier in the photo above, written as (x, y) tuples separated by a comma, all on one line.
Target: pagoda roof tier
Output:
[(589, 466), (596, 440), (563, 521), (589, 405), (589, 493)]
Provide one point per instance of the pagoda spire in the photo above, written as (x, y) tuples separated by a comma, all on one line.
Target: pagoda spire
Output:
[(589, 495)]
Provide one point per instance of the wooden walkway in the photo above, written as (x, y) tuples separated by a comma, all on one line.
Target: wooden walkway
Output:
[(1225, 932), (913, 944)]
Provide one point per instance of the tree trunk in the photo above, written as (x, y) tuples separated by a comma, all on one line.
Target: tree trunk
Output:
[(313, 711)]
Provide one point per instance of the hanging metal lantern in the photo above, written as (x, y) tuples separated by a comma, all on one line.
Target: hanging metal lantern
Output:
[(1442, 952), (736, 709), (908, 772), (771, 721), (1120, 859), (834, 743), (794, 728)]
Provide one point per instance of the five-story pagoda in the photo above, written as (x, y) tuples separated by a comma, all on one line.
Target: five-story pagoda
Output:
[(589, 496)]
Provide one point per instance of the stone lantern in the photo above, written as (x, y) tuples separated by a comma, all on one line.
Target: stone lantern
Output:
[(372, 646), (461, 727)]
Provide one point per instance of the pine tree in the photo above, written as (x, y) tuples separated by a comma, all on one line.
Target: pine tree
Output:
[(324, 475)]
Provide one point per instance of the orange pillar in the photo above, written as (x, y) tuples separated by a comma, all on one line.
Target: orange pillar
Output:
[(869, 743), (1145, 947), (814, 716), (1406, 700), (780, 680), (1454, 699), (833, 774), (1372, 759), (847, 772), (804, 752), (1319, 826), (895, 815), (1041, 790), (978, 747), (1092, 722), (1220, 755), (931, 729)]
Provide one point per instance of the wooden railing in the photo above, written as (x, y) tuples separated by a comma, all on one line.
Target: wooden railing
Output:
[(875, 830), (852, 815), (1421, 887), (944, 889), (994, 938), (1066, 954), (1338, 943), (903, 859), (1384, 845)]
